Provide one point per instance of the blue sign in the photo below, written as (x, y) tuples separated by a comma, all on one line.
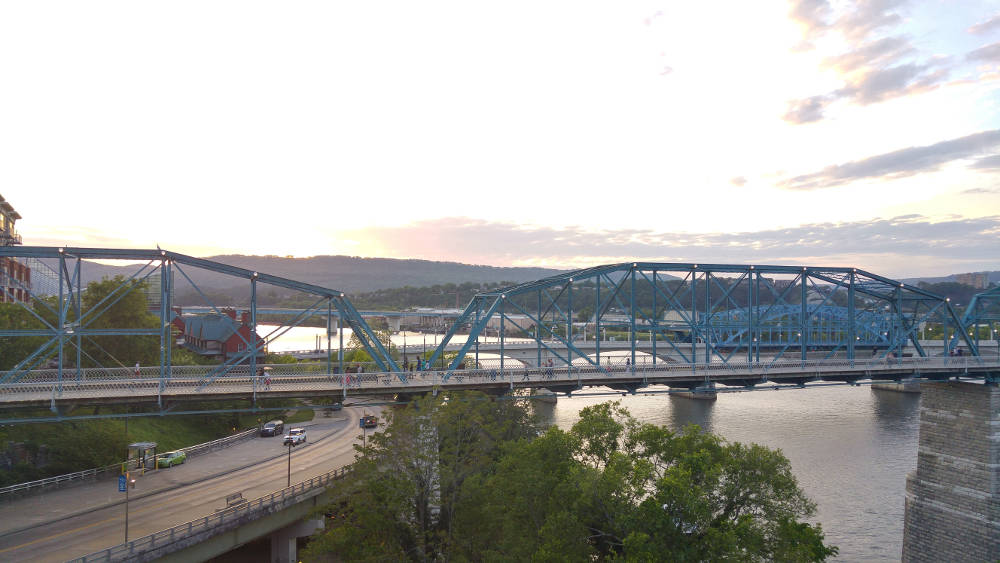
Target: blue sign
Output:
[(121, 484), (361, 423)]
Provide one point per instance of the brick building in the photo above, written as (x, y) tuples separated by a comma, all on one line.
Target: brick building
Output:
[(219, 336), (15, 276), (978, 280)]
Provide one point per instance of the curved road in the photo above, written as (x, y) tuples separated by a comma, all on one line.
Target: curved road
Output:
[(77, 521)]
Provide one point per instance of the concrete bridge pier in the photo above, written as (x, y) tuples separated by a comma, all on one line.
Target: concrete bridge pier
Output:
[(910, 385), (702, 393), (284, 548), (952, 510)]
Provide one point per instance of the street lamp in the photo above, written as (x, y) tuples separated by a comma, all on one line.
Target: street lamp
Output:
[(129, 483)]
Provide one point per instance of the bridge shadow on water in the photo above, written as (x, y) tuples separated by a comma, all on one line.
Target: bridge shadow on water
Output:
[(684, 411), (895, 411)]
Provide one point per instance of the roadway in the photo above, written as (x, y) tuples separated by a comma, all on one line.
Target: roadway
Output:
[(76, 521), (301, 380)]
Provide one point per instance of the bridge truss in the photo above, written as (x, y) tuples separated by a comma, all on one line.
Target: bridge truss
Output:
[(982, 317), (77, 332), (711, 313)]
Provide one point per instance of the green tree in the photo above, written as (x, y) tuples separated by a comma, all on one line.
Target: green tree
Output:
[(117, 303), (465, 478), (405, 489), (14, 349), (357, 348)]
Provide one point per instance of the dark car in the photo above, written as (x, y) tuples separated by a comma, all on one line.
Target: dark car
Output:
[(272, 428)]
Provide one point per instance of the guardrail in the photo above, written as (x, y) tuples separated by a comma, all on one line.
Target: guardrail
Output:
[(21, 489), (160, 543)]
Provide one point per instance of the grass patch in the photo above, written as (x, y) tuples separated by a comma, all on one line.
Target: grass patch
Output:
[(304, 415)]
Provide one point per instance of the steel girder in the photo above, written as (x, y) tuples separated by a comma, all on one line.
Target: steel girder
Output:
[(67, 324), (983, 312), (704, 313)]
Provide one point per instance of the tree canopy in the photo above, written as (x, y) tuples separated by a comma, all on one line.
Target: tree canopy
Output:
[(464, 477), (114, 303), (14, 349)]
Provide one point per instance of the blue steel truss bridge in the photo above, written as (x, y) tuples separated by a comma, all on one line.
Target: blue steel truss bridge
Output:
[(686, 326)]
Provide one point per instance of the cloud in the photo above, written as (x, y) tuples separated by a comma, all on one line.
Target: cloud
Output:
[(868, 17), (881, 84), (978, 191), (876, 69), (986, 26), (812, 15), (806, 110), (989, 53), (738, 181), (988, 163), (900, 163), (883, 50), (898, 246)]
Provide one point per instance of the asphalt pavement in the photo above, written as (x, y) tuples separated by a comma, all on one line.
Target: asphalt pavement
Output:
[(70, 522)]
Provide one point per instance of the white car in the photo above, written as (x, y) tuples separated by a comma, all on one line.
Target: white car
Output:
[(296, 436)]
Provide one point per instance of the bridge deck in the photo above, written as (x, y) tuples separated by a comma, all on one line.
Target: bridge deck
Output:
[(44, 389)]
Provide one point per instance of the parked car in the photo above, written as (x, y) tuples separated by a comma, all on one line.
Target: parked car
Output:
[(272, 428), (296, 436), (171, 458)]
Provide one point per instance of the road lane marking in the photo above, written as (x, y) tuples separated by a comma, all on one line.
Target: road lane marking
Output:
[(53, 536)]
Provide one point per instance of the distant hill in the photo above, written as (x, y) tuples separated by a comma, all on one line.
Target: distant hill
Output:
[(994, 277), (350, 274), (353, 274)]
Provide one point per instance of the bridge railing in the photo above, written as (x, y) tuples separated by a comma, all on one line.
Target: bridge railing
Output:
[(217, 522), (11, 492), (70, 377), (293, 378)]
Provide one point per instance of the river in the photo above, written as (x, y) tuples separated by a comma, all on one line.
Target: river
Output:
[(850, 447)]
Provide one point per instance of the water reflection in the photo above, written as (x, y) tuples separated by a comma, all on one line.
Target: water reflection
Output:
[(896, 410), (684, 411)]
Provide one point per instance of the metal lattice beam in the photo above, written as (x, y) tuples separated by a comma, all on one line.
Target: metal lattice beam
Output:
[(713, 313), (66, 324)]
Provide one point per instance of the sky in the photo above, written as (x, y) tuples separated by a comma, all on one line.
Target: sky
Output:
[(557, 134)]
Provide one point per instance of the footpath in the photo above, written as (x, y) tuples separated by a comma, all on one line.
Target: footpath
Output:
[(47, 507)]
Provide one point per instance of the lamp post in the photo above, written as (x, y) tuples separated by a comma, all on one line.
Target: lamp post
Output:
[(129, 483), (290, 446)]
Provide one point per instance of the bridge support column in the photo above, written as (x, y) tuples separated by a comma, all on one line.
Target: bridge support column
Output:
[(703, 393), (904, 386), (953, 497), (284, 547)]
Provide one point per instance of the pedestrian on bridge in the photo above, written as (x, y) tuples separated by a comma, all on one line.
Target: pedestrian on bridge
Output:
[(137, 369)]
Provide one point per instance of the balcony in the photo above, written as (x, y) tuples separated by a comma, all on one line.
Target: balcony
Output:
[(9, 238)]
